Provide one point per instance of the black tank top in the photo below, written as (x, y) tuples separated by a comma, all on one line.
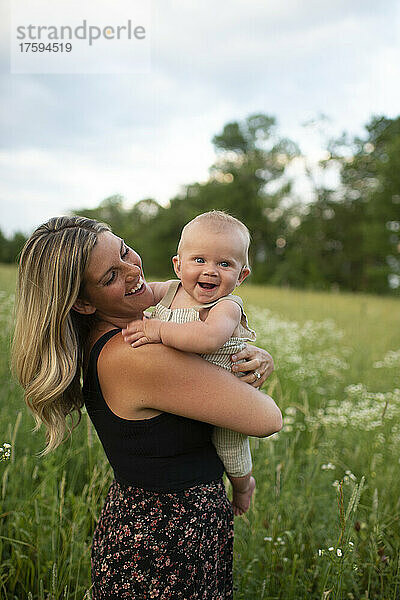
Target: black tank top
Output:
[(164, 453)]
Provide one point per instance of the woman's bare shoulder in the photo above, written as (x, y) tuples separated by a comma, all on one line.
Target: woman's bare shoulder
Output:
[(145, 369), (117, 355), (127, 376)]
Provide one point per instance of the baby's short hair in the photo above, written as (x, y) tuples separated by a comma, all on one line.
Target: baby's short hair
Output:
[(219, 218)]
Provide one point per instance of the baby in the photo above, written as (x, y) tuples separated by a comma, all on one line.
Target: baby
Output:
[(198, 314)]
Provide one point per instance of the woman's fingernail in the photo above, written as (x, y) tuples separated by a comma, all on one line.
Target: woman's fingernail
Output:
[(234, 357)]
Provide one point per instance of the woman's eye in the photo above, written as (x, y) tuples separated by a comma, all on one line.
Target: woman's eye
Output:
[(199, 260), (125, 252), (111, 278)]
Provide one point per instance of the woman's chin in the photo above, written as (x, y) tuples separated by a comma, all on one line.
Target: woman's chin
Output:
[(141, 298)]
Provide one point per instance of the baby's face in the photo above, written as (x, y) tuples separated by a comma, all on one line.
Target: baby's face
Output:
[(211, 262)]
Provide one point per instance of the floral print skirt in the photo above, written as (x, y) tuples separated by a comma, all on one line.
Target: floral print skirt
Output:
[(176, 545)]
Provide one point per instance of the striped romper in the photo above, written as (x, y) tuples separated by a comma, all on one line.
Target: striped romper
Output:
[(232, 447)]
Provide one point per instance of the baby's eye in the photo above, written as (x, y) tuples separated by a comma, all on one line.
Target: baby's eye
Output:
[(198, 259), (224, 263)]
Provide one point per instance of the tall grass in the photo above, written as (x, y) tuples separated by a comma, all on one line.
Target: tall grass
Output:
[(325, 520)]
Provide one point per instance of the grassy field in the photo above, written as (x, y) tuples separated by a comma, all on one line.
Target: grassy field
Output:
[(325, 520)]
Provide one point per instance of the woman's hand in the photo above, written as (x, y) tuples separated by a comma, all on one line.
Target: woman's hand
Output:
[(258, 365)]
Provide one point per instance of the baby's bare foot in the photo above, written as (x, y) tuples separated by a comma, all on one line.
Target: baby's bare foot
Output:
[(241, 500)]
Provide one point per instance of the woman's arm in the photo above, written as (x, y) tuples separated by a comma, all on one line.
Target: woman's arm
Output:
[(167, 380)]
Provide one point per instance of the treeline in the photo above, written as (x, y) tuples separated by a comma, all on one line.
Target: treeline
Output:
[(11, 247), (347, 237)]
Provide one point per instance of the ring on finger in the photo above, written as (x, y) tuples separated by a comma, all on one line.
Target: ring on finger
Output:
[(257, 374)]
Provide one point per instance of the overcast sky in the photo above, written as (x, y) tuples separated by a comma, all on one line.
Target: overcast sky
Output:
[(69, 141)]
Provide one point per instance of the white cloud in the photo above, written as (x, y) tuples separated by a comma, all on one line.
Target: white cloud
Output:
[(69, 141)]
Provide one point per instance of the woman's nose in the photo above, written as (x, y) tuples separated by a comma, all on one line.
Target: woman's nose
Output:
[(133, 273)]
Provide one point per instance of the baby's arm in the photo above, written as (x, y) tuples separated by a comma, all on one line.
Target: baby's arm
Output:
[(197, 336)]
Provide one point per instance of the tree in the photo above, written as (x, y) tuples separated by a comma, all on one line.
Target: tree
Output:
[(346, 237), (370, 194), (248, 181), (11, 247)]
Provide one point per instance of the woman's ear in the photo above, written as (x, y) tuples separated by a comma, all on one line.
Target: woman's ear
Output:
[(177, 265), (245, 272), (84, 307)]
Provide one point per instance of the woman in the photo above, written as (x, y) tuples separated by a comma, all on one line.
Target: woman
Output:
[(166, 529)]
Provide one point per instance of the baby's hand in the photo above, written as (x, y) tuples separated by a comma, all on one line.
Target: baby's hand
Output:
[(142, 331)]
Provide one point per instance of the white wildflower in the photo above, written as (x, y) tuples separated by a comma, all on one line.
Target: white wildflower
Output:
[(360, 409), (5, 451), (328, 467), (308, 354), (339, 551), (390, 360)]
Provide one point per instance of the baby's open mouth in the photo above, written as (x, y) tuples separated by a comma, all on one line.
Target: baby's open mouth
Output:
[(207, 286)]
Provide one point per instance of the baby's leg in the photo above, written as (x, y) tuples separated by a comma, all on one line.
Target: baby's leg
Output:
[(243, 489), (234, 450)]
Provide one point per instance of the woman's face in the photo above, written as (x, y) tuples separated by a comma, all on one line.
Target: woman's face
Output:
[(114, 282)]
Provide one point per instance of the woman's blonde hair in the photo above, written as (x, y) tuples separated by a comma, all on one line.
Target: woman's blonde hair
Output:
[(49, 338)]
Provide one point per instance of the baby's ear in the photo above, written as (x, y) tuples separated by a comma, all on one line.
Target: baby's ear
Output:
[(177, 265), (245, 272)]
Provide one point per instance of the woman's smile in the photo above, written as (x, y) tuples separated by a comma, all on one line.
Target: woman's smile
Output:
[(137, 289)]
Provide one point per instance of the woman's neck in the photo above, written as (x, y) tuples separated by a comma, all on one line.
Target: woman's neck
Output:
[(106, 322), (99, 328)]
